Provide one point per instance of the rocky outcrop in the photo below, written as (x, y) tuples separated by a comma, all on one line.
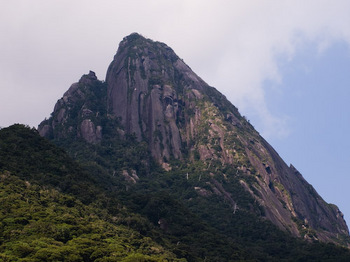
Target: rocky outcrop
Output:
[(77, 113), (89, 132)]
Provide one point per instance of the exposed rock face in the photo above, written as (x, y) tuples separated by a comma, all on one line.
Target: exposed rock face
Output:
[(148, 88), (75, 113), (158, 98), (89, 132)]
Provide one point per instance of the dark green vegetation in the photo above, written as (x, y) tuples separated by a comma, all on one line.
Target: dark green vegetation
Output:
[(55, 209)]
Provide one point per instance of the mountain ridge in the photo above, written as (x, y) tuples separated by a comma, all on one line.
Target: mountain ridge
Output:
[(185, 124)]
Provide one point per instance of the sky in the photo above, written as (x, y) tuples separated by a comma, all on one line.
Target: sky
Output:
[(284, 64)]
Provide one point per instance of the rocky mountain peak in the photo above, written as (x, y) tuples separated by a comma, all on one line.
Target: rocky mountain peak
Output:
[(149, 89), (152, 95)]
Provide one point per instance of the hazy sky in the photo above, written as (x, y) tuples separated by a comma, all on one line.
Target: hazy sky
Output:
[(284, 64)]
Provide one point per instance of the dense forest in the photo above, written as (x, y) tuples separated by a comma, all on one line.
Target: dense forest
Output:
[(60, 207)]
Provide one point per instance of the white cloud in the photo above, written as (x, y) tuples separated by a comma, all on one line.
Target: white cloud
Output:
[(233, 45), (237, 45)]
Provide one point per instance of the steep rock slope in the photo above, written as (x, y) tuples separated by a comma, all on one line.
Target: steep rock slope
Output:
[(151, 94)]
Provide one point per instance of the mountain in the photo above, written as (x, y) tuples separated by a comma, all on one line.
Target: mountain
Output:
[(158, 135)]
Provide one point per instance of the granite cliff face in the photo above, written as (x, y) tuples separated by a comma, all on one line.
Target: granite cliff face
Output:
[(153, 95), (151, 90)]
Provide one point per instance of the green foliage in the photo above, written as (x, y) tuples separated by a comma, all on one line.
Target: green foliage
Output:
[(53, 209), (39, 220), (46, 225), (24, 153)]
